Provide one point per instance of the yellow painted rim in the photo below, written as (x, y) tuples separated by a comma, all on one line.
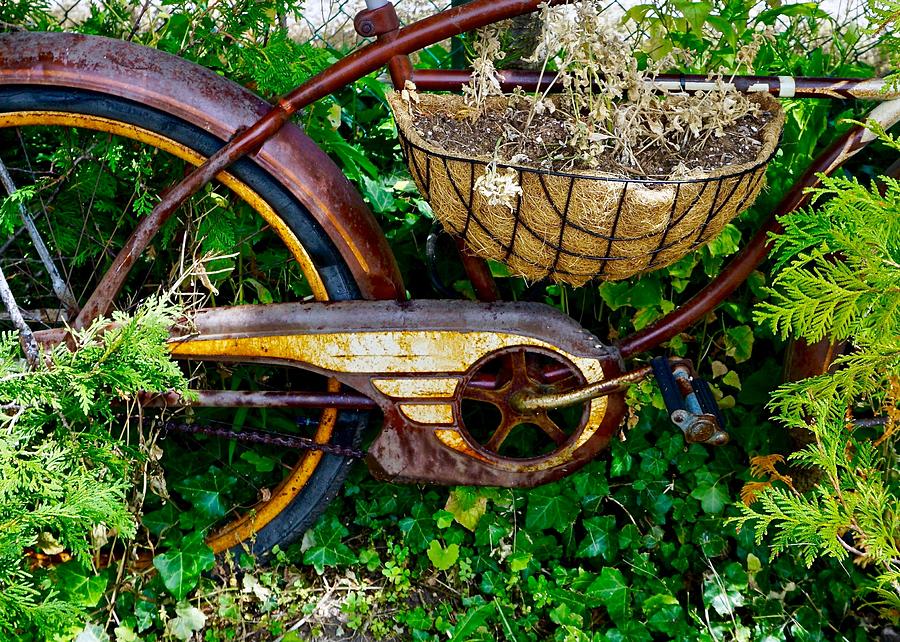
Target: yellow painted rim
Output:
[(244, 527)]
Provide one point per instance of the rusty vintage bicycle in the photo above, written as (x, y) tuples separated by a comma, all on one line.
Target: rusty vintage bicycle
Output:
[(353, 346)]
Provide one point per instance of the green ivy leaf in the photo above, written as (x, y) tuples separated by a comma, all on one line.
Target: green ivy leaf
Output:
[(467, 506), (160, 520), (615, 294), (79, 585), (724, 599), (591, 486), (260, 463), (644, 317), (205, 491), (712, 497), (443, 558), (739, 343), (653, 463), (380, 194), (518, 561), (418, 527), (563, 616), (549, 508), (186, 622), (629, 536), (726, 243), (180, 568), (126, 634), (327, 549), (444, 519), (621, 460), (732, 379), (662, 611), (612, 590), (597, 537), (92, 633), (145, 614), (634, 631)]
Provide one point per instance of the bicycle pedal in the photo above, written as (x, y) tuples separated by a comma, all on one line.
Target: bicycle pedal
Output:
[(690, 402)]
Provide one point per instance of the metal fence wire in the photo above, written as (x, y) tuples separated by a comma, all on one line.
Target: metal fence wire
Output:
[(325, 22), (329, 23)]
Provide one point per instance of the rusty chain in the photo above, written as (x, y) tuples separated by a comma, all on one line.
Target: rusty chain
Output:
[(264, 438)]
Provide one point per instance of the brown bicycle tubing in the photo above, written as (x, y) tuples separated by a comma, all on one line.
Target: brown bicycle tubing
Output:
[(837, 88)]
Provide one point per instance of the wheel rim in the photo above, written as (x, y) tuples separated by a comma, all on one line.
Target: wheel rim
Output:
[(244, 526)]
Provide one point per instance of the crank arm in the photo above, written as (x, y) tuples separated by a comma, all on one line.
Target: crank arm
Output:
[(415, 360), (586, 393)]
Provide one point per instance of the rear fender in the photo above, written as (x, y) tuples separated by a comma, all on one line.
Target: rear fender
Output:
[(222, 108)]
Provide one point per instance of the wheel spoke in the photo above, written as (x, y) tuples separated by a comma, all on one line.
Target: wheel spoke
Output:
[(518, 367), (543, 421), (60, 288), (500, 434), (493, 397)]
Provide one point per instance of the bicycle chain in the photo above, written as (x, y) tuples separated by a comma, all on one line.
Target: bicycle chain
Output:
[(265, 438)]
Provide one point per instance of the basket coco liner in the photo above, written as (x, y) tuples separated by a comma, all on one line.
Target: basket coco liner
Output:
[(576, 226)]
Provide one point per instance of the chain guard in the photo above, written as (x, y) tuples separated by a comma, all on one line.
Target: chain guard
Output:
[(415, 359)]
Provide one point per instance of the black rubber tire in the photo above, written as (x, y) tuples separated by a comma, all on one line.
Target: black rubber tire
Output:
[(329, 475)]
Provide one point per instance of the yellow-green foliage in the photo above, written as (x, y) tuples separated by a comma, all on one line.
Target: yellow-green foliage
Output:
[(62, 471), (840, 279)]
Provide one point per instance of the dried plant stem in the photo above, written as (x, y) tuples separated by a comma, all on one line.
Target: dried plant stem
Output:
[(543, 96), (60, 287), (6, 296)]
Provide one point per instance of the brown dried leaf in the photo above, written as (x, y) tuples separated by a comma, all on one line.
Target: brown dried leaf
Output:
[(751, 491)]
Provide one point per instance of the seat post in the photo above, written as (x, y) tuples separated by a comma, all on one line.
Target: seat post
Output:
[(380, 20)]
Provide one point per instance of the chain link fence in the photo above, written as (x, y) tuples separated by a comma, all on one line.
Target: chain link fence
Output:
[(326, 22), (330, 22)]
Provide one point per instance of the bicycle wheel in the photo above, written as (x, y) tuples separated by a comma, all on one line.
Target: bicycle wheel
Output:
[(93, 163)]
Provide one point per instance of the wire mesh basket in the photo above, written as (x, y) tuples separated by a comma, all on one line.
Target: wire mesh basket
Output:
[(575, 226)]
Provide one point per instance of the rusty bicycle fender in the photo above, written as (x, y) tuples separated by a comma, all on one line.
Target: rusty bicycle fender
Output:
[(222, 108)]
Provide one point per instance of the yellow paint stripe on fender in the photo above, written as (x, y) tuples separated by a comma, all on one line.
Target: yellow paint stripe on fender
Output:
[(392, 351), (430, 413), (415, 388)]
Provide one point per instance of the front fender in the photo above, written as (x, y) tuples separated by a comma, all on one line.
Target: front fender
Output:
[(221, 107)]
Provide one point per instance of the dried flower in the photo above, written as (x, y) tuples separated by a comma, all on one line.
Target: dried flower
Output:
[(409, 93), (499, 186), (610, 109)]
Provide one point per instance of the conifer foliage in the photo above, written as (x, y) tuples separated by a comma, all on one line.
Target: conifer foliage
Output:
[(63, 472), (839, 278)]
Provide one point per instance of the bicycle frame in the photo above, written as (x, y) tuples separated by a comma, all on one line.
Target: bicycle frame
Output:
[(417, 408), (391, 49)]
